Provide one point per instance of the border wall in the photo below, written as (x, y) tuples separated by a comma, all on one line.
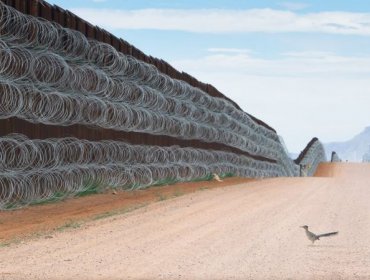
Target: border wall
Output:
[(82, 110)]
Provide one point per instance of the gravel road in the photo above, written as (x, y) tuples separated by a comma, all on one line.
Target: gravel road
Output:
[(246, 231)]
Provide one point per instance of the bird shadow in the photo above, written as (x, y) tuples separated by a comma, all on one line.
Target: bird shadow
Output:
[(324, 246)]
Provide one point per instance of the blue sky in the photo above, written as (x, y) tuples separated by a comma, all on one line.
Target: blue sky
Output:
[(310, 6), (301, 66)]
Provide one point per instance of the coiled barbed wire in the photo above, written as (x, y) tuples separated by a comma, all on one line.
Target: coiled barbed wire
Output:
[(35, 170), (29, 103), (76, 50), (102, 63), (312, 158), (335, 157), (55, 75), (41, 70), (106, 58)]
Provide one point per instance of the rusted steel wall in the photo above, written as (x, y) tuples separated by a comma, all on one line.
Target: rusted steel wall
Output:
[(66, 18)]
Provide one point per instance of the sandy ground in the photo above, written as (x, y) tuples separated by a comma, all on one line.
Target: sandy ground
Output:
[(35, 220), (245, 231)]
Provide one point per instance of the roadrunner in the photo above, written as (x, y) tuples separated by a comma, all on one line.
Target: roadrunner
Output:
[(313, 237)]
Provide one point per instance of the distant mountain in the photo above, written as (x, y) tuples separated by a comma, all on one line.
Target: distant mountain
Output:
[(366, 157), (352, 150)]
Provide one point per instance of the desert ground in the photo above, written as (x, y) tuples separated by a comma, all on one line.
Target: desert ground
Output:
[(238, 230)]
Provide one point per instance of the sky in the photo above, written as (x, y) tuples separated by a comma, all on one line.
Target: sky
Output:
[(303, 67)]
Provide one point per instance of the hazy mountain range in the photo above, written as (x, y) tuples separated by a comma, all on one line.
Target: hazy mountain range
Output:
[(353, 149)]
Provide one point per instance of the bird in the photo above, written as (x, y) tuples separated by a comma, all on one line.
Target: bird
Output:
[(216, 177), (313, 237)]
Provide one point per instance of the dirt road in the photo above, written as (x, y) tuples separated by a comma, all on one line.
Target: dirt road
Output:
[(246, 231)]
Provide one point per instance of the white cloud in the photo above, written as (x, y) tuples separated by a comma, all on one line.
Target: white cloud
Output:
[(302, 95), (230, 50), (294, 6), (226, 21), (290, 64)]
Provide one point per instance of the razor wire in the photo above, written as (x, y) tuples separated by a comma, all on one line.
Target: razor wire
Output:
[(36, 170), (109, 69), (312, 158), (75, 48), (219, 122), (55, 75), (29, 103), (335, 157), (47, 71)]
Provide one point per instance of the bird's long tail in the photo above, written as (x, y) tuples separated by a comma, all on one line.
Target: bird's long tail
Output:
[(327, 234)]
